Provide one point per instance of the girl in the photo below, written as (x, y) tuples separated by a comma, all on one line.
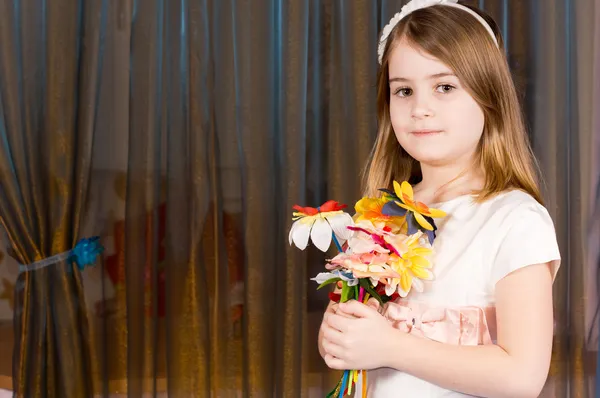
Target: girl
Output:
[(449, 121)]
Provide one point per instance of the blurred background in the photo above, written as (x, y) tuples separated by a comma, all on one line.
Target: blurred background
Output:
[(183, 132)]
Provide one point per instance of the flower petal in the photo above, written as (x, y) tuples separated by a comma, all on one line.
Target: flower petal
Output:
[(339, 224), (418, 284), (353, 282), (420, 262), (406, 281), (422, 208), (359, 245), (391, 193), (323, 276), (403, 293), (397, 189), (422, 273), (422, 251), (423, 222), (431, 236), (292, 231), (331, 205), (436, 213), (390, 287), (392, 209), (406, 190), (321, 234), (307, 211), (301, 234), (411, 223), (404, 206)]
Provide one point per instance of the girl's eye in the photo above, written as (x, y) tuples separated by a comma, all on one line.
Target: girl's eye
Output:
[(444, 88), (403, 92)]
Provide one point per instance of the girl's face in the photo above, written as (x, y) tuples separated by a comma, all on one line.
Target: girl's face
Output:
[(434, 118)]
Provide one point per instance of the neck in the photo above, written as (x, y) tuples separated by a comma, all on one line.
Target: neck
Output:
[(444, 182)]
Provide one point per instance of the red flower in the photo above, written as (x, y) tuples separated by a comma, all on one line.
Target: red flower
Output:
[(330, 205), (335, 297), (380, 290)]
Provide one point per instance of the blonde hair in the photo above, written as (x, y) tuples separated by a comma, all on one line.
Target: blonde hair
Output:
[(461, 42)]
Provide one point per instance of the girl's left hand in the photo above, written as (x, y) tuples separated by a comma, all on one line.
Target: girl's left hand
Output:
[(356, 337)]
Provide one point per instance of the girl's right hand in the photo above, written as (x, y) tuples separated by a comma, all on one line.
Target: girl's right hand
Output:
[(373, 303)]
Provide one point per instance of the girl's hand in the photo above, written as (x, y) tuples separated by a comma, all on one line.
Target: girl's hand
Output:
[(332, 308), (356, 337), (373, 303)]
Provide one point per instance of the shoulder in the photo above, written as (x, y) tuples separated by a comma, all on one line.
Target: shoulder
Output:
[(497, 214), (517, 207), (516, 200), (523, 233)]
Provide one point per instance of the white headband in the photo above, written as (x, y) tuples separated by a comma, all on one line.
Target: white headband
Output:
[(414, 5)]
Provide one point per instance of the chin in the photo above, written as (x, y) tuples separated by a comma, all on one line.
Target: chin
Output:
[(429, 156), (433, 161)]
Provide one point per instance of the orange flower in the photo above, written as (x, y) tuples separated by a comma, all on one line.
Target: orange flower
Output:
[(371, 209)]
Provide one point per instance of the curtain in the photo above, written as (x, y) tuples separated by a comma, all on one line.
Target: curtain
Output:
[(560, 110), (50, 57), (592, 273), (213, 119)]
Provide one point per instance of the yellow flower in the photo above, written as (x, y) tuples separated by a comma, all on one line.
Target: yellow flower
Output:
[(420, 210), (410, 261)]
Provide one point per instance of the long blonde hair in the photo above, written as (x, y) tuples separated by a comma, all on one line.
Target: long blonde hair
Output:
[(461, 42)]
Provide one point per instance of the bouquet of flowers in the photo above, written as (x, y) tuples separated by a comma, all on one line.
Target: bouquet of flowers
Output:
[(384, 250)]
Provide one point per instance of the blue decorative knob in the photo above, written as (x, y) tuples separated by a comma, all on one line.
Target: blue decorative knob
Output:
[(85, 252)]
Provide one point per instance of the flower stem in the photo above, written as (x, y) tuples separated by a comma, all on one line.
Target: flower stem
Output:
[(337, 243)]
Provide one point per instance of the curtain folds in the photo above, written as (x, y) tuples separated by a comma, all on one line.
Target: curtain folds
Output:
[(50, 69)]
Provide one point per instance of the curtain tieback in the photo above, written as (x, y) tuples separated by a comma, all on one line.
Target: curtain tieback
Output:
[(83, 254)]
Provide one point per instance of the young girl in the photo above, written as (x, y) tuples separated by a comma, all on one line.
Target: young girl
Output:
[(450, 122)]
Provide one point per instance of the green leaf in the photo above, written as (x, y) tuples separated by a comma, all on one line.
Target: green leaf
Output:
[(367, 286), (329, 282), (385, 299), (376, 296), (345, 292)]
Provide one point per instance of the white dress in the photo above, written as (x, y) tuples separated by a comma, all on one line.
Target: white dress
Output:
[(477, 244)]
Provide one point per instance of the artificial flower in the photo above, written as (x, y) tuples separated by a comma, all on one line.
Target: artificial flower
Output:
[(410, 259), (371, 209), (367, 265), (385, 248), (367, 238), (343, 275), (320, 224), (405, 205)]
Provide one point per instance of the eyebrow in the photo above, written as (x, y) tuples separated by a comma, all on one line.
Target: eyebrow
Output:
[(430, 77)]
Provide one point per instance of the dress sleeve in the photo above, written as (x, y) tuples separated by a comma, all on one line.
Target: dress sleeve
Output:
[(529, 239)]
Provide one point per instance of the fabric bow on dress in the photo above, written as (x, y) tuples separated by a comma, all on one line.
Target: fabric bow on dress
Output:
[(461, 325)]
